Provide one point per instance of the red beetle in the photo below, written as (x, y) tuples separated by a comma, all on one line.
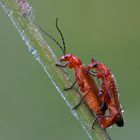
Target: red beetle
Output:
[(108, 94)]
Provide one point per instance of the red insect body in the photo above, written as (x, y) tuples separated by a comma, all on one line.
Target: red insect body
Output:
[(110, 95), (86, 83)]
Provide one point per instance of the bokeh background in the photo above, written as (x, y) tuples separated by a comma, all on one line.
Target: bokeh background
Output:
[(30, 106)]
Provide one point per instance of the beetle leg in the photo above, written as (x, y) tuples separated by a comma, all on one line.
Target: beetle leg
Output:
[(94, 121), (70, 86), (75, 107), (92, 73), (63, 66)]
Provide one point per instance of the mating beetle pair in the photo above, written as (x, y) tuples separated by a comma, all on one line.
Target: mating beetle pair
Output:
[(98, 101)]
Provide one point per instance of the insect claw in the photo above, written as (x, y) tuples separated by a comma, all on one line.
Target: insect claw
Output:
[(57, 64), (70, 86), (75, 107), (95, 119), (65, 89)]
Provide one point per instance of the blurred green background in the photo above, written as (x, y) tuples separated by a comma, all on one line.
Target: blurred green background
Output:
[(30, 106)]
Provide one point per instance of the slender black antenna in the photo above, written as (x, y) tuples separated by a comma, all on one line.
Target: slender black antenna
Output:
[(64, 49)]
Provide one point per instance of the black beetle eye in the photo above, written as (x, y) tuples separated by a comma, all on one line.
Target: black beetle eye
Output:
[(66, 57), (95, 65)]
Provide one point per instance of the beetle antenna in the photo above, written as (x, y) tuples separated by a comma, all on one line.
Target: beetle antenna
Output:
[(63, 41), (46, 33)]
